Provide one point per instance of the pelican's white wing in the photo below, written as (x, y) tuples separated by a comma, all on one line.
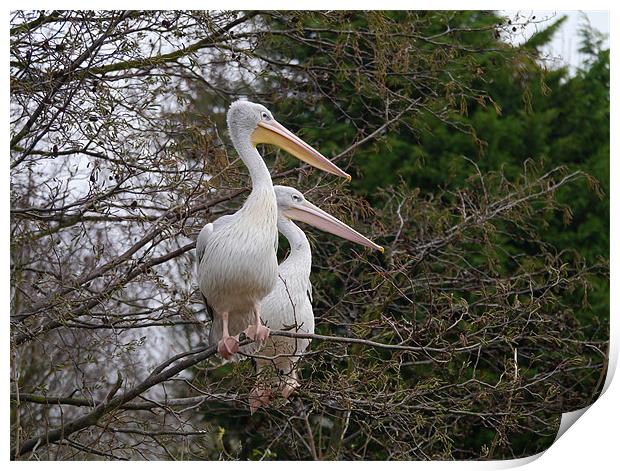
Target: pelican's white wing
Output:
[(206, 232), (201, 244)]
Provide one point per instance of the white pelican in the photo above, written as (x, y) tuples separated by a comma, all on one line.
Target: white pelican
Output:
[(237, 264), (289, 305)]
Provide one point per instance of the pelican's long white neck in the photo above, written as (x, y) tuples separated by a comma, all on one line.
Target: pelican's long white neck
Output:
[(261, 178), (300, 257), (260, 208)]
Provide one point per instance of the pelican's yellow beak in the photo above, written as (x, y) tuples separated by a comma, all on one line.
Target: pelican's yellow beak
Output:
[(272, 132), (315, 216)]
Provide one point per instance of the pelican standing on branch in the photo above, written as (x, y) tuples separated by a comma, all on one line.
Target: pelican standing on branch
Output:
[(289, 305), (237, 263)]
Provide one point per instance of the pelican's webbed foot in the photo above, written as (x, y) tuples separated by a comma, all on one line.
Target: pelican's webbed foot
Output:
[(257, 332), (259, 397), (228, 346), (290, 385)]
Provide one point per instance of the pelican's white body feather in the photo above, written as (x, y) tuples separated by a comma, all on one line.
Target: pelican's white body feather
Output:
[(238, 266), (289, 305)]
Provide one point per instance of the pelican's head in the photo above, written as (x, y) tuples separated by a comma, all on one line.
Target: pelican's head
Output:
[(293, 205), (251, 122)]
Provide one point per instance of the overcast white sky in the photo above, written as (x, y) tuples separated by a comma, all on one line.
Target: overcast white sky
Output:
[(565, 43)]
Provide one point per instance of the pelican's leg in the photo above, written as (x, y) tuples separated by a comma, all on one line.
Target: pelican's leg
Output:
[(257, 331), (291, 383), (227, 346)]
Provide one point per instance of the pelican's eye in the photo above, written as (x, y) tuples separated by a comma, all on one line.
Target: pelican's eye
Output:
[(296, 198), (264, 115)]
